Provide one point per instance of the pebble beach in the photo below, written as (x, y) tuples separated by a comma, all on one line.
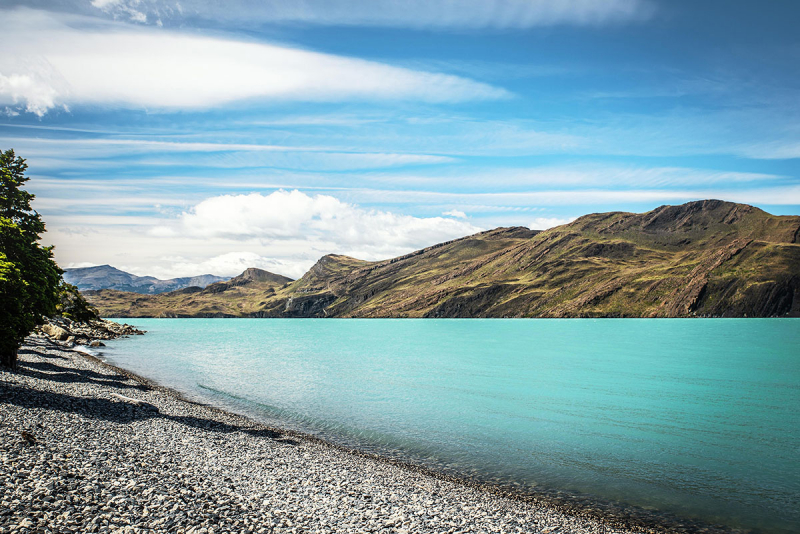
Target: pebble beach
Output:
[(86, 447)]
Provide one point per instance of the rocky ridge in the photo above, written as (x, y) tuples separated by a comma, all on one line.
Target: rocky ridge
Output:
[(108, 277), (700, 259)]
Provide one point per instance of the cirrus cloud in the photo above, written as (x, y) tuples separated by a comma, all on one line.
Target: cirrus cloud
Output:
[(50, 61), (455, 14)]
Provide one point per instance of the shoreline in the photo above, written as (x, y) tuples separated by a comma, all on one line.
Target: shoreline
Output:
[(542, 512), (610, 514)]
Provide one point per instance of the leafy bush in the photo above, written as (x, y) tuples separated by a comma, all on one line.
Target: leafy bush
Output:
[(72, 305)]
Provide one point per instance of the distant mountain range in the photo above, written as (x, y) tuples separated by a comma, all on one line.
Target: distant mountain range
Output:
[(108, 277), (705, 258)]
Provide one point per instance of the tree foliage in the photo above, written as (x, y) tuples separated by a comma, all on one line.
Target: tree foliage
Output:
[(29, 278), (72, 305)]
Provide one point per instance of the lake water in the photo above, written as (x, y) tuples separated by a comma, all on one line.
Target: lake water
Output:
[(699, 417)]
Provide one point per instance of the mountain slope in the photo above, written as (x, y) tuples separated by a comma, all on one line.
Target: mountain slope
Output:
[(108, 277), (243, 295), (702, 258)]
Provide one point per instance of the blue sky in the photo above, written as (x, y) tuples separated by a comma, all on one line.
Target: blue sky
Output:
[(174, 139)]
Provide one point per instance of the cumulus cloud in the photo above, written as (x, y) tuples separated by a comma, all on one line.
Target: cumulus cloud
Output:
[(49, 61), (467, 14), (284, 232), (296, 215), (228, 264), (31, 82), (455, 213)]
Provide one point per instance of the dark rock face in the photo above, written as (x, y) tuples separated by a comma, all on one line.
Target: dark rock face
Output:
[(476, 303), (308, 306), (772, 299), (694, 216), (609, 250), (779, 298)]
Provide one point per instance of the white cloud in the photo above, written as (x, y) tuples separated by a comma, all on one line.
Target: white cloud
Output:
[(228, 264), (582, 175), (395, 13), (287, 232), (79, 265), (125, 8), (284, 232), (777, 195), (543, 223), (82, 153), (48, 61), (31, 82), (772, 150), (455, 213), (293, 214)]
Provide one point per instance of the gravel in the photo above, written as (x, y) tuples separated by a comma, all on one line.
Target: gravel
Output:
[(85, 447)]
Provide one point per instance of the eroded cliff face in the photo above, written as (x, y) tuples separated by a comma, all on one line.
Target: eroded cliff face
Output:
[(706, 258)]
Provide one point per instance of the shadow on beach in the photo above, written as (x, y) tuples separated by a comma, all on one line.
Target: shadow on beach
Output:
[(30, 342), (57, 373), (117, 411)]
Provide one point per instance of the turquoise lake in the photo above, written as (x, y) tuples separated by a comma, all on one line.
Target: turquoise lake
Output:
[(699, 418)]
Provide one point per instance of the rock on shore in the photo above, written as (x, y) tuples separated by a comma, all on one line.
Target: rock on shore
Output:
[(71, 333), (85, 447)]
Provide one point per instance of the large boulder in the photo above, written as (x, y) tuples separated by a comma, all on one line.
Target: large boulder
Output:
[(55, 332)]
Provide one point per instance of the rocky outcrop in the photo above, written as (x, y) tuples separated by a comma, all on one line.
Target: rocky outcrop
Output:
[(55, 332), (471, 303), (88, 333), (613, 250), (308, 305), (685, 300)]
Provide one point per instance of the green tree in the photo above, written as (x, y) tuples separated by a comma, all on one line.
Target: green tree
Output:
[(73, 306), (29, 278)]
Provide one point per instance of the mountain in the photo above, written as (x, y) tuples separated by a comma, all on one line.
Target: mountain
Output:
[(108, 277), (242, 296), (705, 258)]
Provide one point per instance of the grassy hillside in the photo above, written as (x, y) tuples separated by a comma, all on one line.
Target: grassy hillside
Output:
[(242, 296), (702, 258)]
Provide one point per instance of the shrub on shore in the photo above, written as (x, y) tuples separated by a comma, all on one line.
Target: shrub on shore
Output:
[(29, 278), (72, 305)]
